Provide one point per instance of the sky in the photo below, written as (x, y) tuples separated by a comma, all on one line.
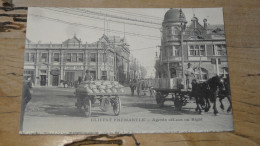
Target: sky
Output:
[(55, 25)]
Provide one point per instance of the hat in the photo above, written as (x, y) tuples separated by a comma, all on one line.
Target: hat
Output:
[(189, 63)]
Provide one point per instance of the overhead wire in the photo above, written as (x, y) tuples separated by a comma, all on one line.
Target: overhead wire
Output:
[(111, 16), (94, 27), (98, 18)]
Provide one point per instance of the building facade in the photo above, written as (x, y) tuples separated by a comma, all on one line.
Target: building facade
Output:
[(50, 64), (203, 46)]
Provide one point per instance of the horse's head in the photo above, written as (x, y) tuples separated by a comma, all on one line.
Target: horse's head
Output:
[(194, 82), (219, 82)]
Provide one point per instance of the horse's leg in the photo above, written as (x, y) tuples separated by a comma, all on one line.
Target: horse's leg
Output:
[(214, 105), (198, 109), (221, 104), (207, 107), (230, 104)]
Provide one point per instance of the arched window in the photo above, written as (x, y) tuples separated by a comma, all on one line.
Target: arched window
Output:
[(196, 32)]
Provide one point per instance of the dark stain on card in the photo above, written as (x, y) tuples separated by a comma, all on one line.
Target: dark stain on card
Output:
[(94, 140)]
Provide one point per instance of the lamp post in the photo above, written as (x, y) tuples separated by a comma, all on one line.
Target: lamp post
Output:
[(183, 27)]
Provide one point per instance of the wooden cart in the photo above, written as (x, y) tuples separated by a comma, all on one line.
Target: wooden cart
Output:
[(173, 87), (88, 99)]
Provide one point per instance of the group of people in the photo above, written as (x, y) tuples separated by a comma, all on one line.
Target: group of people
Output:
[(140, 86)]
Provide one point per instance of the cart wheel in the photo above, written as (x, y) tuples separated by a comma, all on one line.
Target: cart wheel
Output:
[(87, 108), (117, 106), (177, 103), (159, 99)]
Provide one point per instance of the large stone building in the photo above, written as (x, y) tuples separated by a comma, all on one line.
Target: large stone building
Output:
[(203, 46), (49, 64)]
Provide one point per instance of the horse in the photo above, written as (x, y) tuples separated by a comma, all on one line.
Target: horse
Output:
[(215, 85), (225, 93), (207, 91), (199, 92)]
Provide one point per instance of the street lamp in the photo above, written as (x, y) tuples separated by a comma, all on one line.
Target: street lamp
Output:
[(183, 27)]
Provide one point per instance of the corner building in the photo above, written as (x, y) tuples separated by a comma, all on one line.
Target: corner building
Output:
[(203, 46), (49, 64)]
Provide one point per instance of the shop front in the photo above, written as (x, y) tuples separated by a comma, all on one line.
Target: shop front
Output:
[(73, 73), (55, 74)]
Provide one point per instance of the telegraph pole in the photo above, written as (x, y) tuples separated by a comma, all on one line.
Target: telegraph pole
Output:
[(182, 53)]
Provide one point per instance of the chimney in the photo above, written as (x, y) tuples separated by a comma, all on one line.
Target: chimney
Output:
[(205, 24)]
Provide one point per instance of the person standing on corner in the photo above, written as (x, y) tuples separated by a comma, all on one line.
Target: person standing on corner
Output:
[(189, 73), (26, 97)]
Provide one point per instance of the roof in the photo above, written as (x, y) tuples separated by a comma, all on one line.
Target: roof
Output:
[(174, 15), (196, 31), (73, 40)]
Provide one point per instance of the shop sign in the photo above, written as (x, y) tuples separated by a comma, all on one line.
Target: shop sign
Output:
[(55, 72)]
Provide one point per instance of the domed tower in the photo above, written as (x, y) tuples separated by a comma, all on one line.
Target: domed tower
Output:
[(170, 52)]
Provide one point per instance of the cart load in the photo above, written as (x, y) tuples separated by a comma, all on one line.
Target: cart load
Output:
[(100, 87), (106, 92), (167, 83)]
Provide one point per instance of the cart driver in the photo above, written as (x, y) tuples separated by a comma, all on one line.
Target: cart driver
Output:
[(87, 77), (189, 73)]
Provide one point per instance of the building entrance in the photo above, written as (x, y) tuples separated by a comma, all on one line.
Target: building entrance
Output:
[(55, 80), (43, 80)]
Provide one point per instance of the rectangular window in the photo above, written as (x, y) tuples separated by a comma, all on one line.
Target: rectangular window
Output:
[(197, 50), (170, 51), (44, 57), (80, 57), (192, 53), (56, 57), (43, 71), (104, 57), (93, 74), (68, 57), (32, 57), (26, 57), (93, 57), (74, 57), (104, 75), (219, 50)]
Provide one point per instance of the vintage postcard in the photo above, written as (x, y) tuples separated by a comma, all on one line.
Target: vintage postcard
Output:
[(125, 70)]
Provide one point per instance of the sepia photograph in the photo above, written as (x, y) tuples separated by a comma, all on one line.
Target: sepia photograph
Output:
[(125, 70)]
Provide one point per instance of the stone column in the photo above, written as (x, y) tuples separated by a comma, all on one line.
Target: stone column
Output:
[(49, 68)]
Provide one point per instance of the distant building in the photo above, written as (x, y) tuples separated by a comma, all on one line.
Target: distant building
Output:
[(49, 64), (203, 46)]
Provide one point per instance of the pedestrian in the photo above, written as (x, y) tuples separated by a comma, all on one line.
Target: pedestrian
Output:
[(79, 80), (88, 76), (190, 75), (132, 86), (138, 87), (26, 97)]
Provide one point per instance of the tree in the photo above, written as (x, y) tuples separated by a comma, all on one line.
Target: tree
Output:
[(143, 72)]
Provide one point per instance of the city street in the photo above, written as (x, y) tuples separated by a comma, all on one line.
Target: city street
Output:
[(52, 110)]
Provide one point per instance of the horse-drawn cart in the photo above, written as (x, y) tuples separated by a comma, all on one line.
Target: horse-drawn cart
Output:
[(106, 92), (170, 89)]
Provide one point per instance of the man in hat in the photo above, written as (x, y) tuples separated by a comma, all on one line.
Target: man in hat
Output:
[(189, 72)]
